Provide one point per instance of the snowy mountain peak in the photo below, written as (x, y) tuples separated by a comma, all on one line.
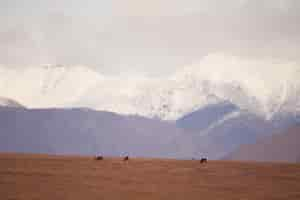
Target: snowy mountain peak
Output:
[(5, 102)]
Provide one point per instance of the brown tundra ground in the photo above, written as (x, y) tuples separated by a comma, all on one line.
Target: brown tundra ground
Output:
[(66, 177)]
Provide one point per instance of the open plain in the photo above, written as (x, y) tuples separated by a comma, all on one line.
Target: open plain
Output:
[(28, 176)]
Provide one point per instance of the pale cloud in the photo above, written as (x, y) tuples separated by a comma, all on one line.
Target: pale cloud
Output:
[(212, 7), (146, 37), (157, 7)]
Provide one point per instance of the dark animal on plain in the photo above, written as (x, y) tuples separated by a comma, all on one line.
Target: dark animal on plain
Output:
[(99, 158), (203, 160), (126, 158)]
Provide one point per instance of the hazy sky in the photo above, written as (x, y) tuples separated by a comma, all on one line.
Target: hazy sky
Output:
[(151, 37)]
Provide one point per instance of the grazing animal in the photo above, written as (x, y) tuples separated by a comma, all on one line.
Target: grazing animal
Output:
[(203, 160), (126, 158), (99, 158)]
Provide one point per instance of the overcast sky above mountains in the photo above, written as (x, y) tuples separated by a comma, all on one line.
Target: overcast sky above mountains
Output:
[(146, 37)]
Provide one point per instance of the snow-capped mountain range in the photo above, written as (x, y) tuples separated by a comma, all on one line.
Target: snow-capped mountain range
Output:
[(266, 88)]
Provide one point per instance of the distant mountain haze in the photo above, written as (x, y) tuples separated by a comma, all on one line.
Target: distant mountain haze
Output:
[(88, 132)]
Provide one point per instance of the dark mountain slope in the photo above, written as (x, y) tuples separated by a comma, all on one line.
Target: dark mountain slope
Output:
[(84, 131), (283, 146)]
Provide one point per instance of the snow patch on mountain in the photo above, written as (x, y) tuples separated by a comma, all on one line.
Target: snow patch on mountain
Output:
[(219, 122)]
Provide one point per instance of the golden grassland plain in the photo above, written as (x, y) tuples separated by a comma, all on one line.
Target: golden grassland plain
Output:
[(27, 176)]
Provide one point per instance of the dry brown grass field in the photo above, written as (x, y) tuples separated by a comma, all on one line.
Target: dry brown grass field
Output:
[(26, 176)]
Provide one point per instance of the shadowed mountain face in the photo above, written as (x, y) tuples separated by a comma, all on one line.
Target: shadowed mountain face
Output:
[(227, 135), (283, 146), (202, 118), (220, 129), (80, 131)]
